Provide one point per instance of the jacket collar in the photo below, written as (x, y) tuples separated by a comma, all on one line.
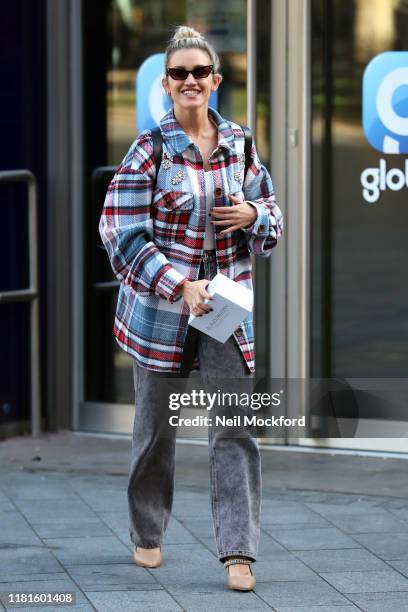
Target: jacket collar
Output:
[(174, 133)]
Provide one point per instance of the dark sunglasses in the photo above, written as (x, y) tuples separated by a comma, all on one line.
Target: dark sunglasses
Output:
[(199, 72)]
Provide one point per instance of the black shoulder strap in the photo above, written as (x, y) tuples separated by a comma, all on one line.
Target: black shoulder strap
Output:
[(157, 148), (247, 147)]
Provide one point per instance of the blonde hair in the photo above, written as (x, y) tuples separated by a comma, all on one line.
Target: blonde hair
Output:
[(185, 37)]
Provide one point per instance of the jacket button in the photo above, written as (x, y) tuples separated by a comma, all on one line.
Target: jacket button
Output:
[(238, 331), (261, 228), (218, 192)]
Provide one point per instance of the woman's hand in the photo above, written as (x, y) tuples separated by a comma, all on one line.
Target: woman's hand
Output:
[(193, 293), (239, 216)]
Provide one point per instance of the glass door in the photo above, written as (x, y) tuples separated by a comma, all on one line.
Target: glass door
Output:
[(118, 36), (359, 217)]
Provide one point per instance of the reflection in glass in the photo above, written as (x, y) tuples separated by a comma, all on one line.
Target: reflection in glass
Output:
[(119, 36), (140, 29), (359, 254), (109, 368)]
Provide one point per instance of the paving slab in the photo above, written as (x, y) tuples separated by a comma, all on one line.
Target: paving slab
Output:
[(72, 528), (29, 576), (200, 527), (43, 488), (284, 525), (71, 452), (183, 559), (95, 550), (381, 602), (6, 506), (181, 532), (194, 492), (111, 577), (328, 538), (192, 508), (54, 510), (137, 601), (314, 591), (338, 560), (5, 503), (312, 539), (325, 608), (281, 570), (270, 549), (16, 530), (366, 581), (401, 566), (80, 481), (387, 546), (209, 544), (221, 598), (103, 499), (375, 522), (291, 515), (117, 521), (400, 512), (347, 505), (26, 561)]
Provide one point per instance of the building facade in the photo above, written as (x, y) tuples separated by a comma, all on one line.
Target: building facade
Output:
[(330, 302)]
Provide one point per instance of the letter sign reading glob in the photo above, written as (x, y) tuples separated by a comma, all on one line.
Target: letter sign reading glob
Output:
[(385, 120), (151, 100)]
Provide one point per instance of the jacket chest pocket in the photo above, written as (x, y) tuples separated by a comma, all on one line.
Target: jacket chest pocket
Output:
[(171, 213)]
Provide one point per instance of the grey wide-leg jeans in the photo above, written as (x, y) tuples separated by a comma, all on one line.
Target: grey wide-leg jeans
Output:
[(234, 459)]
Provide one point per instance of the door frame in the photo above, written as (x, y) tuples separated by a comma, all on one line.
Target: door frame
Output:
[(291, 158), (97, 416), (65, 208)]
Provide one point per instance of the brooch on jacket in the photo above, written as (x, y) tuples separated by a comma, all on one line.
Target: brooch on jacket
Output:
[(167, 161), (239, 176), (178, 177), (167, 164)]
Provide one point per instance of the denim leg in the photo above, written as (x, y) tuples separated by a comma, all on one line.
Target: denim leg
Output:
[(235, 475), (151, 476), (234, 458)]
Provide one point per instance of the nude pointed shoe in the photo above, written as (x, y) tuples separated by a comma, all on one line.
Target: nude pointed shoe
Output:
[(147, 557), (240, 583)]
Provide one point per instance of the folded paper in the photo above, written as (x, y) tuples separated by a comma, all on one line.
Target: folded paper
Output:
[(231, 303)]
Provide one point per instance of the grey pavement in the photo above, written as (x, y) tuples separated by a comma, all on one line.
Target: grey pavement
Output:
[(334, 531)]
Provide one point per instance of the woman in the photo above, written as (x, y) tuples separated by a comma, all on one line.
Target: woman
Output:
[(166, 237)]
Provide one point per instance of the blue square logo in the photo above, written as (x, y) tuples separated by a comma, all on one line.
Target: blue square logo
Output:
[(385, 102)]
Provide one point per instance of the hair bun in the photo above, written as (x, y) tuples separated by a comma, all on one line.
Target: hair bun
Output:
[(185, 37), (186, 32)]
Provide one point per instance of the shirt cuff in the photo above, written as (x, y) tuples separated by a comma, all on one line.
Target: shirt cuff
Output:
[(260, 226), (169, 284)]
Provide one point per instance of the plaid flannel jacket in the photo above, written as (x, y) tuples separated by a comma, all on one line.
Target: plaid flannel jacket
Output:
[(154, 233)]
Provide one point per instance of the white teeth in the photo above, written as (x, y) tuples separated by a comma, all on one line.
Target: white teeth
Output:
[(191, 92)]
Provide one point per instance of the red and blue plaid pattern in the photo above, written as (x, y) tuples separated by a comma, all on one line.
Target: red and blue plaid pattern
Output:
[(154, 231)]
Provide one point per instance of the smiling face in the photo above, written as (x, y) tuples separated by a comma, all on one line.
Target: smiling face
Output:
[(191, 93)]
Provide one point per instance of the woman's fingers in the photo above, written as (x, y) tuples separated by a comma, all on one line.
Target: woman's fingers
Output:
[(225, 210), (224, 221), (195, 294), (231, 229), (239, 216), (234, 199), (201, 308), (204, 293)]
